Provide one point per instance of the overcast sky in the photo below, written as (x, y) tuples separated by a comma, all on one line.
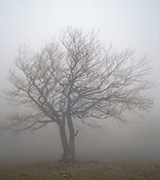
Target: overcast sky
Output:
[(133, 24)]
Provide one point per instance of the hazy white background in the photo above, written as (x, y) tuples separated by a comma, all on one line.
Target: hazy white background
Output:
[(131, 24)]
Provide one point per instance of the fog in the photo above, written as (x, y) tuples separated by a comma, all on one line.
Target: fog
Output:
[(126, 24), (135, 141)]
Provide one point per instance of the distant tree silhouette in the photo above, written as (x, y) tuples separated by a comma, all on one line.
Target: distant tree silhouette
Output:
[(76, 79)]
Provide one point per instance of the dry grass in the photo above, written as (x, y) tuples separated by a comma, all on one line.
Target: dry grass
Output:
[(49, 170)]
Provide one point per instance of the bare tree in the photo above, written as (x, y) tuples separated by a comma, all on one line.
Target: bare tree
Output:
[(76, 79)]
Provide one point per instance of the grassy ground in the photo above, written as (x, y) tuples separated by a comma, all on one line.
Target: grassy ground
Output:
[(113, 170)]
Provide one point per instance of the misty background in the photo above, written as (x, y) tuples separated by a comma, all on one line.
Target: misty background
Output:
[(125, 24)]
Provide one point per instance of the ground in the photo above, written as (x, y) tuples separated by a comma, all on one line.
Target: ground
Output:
[(108, 170)]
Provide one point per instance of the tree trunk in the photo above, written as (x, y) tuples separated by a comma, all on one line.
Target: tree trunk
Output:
[(71, 139), (68, 155), (62, 131)]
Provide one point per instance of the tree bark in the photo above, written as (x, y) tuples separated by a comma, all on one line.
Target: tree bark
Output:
[(71, 138), (62, 131), (68, 155)]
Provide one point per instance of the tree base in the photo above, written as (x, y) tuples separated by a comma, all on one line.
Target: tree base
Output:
[(67, 159)]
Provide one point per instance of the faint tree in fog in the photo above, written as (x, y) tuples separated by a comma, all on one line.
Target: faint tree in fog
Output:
[(76, 79)]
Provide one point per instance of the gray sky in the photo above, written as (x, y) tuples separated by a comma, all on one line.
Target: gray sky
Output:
[(131, 24)]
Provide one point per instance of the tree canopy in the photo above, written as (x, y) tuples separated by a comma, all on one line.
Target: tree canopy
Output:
[(76, 79)]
